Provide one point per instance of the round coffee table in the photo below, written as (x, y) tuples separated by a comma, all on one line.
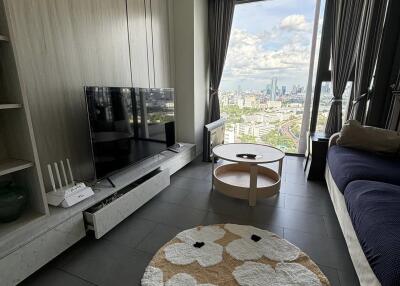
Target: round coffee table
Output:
[(245, 178)]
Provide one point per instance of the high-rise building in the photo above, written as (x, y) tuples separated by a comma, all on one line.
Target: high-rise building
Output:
[(325, 88), (268, 90), (239, 91), (274, 88), (283, 89)]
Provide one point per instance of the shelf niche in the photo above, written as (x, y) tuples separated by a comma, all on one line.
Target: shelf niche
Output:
[(4, 38), (10, 106), (8, 166)]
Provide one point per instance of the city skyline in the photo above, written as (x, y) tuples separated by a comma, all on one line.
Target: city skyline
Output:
[(259, 116)]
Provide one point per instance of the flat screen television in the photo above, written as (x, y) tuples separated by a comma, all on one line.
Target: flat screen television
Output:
[(127, 125)]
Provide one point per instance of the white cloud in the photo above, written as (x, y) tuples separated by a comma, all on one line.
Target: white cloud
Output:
[(283, 51), (248, 56), (296, 23)]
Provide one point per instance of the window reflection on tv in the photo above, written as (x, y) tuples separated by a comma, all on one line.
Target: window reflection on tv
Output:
[(127, 125)]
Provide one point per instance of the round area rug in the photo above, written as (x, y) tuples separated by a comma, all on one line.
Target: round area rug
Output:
[(231, 254)]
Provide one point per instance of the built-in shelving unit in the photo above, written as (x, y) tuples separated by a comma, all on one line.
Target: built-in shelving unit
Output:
[(10, 106), (29, 216), (19, 163), (4, 38), (8, 166)]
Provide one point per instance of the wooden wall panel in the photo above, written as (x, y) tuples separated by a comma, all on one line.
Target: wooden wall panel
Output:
[(149, 36), (140, 53), (161, 44), (60, 47)]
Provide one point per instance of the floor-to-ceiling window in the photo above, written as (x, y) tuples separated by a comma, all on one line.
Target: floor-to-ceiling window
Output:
[(325, 104), (264, 83)]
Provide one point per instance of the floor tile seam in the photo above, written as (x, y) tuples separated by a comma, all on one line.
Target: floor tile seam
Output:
[(194, 178), (284, 193), (311, 196), (140, 241), (187, 177), (290, 209), (326, 236), (75, 275), (149, 252), (279, 208), (294, 171), (298, 195), (297, 183), (147, 235), (337, 273), (311, 212), (178, 187), (176, 204), (329, 266), (288, 195), (184, 197), (285, 208), (225, 214), (326, 227), (250, 222), (322, 235)]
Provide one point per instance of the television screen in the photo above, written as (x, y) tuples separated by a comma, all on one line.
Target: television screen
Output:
[(127, 125)]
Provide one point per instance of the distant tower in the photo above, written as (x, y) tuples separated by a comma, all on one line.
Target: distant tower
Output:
[(239, 91), (283, 90), (274, 88), (268, 90)]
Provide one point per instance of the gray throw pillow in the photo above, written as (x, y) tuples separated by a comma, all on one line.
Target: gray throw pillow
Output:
[(368, 138)]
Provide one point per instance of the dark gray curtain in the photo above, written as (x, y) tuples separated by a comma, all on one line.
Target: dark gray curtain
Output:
[(220, 15), (346, 20), (381, 96), (367, 51)]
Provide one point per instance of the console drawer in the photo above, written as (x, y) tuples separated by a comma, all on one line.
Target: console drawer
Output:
[(106, 215), (30, 257), (180, 160)]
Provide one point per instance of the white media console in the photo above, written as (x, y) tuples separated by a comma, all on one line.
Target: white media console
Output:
[(25, 252)]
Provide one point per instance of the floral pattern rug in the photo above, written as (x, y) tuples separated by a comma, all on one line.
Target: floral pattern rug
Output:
[(231, 254)]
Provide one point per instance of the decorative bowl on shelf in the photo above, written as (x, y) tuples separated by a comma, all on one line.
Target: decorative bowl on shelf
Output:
[(12, 202)]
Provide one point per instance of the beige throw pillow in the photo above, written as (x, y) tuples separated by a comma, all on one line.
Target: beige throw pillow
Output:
[(368, 138)]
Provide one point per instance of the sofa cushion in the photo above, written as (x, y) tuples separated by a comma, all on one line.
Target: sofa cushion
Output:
[(348, 165), (368, 138), (374, 209)]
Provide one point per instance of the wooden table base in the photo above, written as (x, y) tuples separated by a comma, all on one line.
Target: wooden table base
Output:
[(247, 181)]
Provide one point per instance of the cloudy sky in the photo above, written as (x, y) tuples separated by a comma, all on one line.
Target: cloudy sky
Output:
[(269, 39)]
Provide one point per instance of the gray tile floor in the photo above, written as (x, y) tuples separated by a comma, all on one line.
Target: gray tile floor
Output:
[(302, 213)]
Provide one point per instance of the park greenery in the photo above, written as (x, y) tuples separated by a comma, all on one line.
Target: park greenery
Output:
[(287, 141), (279, 140)]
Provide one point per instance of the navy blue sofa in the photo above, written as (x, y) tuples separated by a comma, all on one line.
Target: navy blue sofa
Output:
[(370, 184)]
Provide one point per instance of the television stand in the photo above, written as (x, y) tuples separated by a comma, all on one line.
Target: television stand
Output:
[(135, 186), (64, 227)]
